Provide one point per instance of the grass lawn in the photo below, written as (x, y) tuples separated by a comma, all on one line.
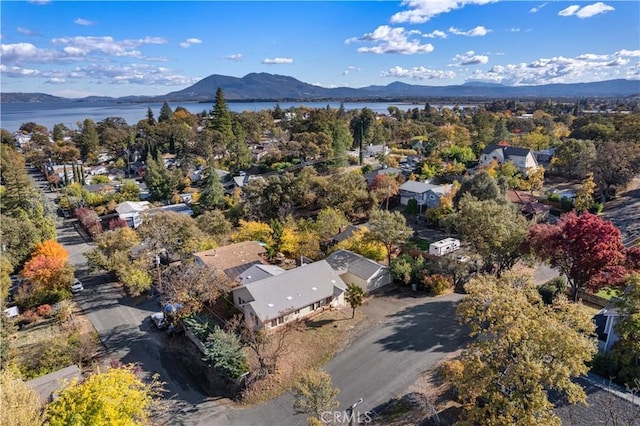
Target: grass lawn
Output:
[(48, 345), (608, 293), (316, 341)]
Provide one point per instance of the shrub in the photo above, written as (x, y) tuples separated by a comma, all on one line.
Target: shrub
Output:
[(596, 208), (44, 310), (29, 317), (412, 206), (437, 284), (549, 290)]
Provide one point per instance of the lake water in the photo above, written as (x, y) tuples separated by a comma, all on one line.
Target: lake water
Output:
[(12, 116)]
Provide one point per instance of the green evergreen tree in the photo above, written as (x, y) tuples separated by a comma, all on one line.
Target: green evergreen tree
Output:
[(221, 120), (212, 191), (150, 118), (166, 113), (89, 140), (158, 179)]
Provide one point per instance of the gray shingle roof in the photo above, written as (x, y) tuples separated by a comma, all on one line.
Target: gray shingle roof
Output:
[(346, 261), (294, 289), (259, 272)]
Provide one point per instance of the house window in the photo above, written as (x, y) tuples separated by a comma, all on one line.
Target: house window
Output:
[(328, 300), (315, 306), (297, 312), (241, 301), (432, 197)]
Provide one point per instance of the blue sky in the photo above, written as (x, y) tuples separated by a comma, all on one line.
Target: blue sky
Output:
[(119, 48)]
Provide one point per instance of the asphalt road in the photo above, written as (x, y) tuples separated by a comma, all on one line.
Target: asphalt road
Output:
[(380, 365), (126, 332)]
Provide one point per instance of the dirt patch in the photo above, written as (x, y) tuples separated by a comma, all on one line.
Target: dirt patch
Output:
[(314, 342)]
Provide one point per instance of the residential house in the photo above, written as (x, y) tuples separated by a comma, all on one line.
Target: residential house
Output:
[(522, 158), (353, 268), (181, 208), (391, 171), (291, 295), (605, 321), (345, 233), (375, 150), (529, 205), (233, 259), (131, 212), (426, 194)]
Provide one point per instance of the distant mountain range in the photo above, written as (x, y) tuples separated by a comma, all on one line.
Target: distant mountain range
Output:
[(272, 87)]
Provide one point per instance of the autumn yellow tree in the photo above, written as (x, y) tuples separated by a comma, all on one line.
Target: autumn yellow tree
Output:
[(584, 196), (115, 397), (20, 404), (522, 349), (253, 231)]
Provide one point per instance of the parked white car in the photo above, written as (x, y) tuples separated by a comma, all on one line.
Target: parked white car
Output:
[(77, 286)]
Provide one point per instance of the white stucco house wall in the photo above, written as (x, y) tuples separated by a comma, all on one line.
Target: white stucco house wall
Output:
[(523, 158), (131, 212)]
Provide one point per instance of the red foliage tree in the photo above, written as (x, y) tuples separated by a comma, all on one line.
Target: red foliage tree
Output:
[(586, 249), (117, 223)]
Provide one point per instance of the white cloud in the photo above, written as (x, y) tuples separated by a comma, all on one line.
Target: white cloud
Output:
[(190, 41), (593, 10), (26, 31), (277, 61), (591, 57), (392, 40), (625, 52), (478, 31), (132, 74), (80, 47), (234, 57), (470, 58), (351, 69), (514, 30), (56, 80), (537, 8), (41, 2), (25, 52), (571, 10), (435, 34), (420, 11), (84, 22), (586, 11), (418, 73), (582, 68), (16, 71)]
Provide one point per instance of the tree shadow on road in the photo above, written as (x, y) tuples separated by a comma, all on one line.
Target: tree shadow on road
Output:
[(427, 327)]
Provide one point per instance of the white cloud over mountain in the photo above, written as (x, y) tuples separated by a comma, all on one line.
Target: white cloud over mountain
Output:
[(418, 73), (277, 61), (386, 39)]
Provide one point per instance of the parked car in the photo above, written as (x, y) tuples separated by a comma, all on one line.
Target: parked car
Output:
[(159, 321), (77, 286)]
